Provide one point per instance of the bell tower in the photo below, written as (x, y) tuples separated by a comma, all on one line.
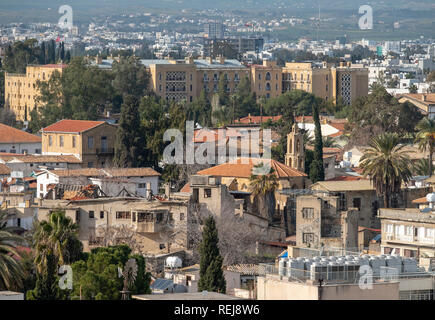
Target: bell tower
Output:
[(295, 156)]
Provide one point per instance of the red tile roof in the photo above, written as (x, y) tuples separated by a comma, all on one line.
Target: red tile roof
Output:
[(4, 169), (238, 168), (256, 119), (346, 178), (186, 188), (12, 135), (72, 126)]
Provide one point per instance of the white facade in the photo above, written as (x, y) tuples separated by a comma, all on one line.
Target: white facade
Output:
[(21, 148)]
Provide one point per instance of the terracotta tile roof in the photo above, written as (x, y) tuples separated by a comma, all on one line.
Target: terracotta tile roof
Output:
[(72, 126), (33, 158), (430, 97), (256, 119), (420, 200), (338, 186), (55, 66), (4, 169), (84, 172), (132, 172), (238, 168), (12, 135), (345, 178), (186, 188), (113, 172)]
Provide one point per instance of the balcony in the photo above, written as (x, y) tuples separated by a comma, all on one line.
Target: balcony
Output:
[(105, 151)]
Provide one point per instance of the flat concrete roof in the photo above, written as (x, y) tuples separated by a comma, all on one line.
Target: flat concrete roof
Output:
[(185, 296)]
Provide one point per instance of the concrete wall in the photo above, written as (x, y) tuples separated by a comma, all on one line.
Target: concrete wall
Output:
[(269, 288)]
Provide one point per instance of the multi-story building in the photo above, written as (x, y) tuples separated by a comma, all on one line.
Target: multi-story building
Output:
[(408, 232), (266, 79), (92, 142), (326, 81), (21, 90), (185, 79)]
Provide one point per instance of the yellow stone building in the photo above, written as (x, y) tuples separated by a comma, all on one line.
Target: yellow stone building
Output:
[(92, 142), (21, 90), (266, 79), (185, 79), (326, 81)]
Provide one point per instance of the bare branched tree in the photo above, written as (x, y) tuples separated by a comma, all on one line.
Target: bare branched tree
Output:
[(117, 235)]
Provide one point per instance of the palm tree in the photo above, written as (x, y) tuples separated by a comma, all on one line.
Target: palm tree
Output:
[(421, 167), (263, 188), (426, 139), (387, 165), (55, 237), (329, 142), (12, 271)]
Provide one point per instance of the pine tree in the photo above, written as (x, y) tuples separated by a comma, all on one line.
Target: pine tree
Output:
[(129, 142), (317, 172), (211, 274)]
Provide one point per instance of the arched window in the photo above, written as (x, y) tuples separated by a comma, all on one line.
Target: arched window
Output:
[(268, 76), (268, 86)]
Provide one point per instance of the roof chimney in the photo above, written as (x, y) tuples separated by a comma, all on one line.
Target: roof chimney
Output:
[(221, 59), (210, 60)]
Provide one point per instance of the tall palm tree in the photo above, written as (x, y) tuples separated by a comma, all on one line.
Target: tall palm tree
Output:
[(387, 165), (263, 189), (12, 271), (426, 139), (54, 237)]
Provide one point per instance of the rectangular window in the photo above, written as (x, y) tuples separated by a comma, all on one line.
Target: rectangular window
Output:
[(123, 215), (141, 185), (307, 237), (50, 140), (207, 193), (90, 164), (60, 141), (74, 141), (409, 230), (390, 228), (308, 213), (101, 214), (357, 203), (90, 142), (91, 214)]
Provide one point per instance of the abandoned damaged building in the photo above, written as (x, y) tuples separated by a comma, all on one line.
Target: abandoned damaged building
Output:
[(154, 224)]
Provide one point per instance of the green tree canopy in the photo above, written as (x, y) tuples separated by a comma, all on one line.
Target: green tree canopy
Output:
[(211, 273)]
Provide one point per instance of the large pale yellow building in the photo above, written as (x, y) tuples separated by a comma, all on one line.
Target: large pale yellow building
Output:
[(266, 79), (326, 81), (21, 90), (185, 79)]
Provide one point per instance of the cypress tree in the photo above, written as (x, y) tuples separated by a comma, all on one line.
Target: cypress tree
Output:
[(211, 274), (68, 56), (43, 52), (47, 287), (51, 52), (129, 141), (62, 51), (317, 172)]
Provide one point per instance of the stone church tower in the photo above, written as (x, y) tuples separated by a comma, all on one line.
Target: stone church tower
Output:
[(295, 156)]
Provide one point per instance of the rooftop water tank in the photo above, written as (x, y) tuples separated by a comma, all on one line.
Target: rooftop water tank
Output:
[(173, 262), (430, 197)]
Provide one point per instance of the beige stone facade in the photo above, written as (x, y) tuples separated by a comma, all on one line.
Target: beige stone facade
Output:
[(21, 90)]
